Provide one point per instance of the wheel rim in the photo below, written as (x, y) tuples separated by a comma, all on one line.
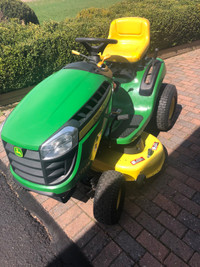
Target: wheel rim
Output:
[(118, 199), (172, 107)]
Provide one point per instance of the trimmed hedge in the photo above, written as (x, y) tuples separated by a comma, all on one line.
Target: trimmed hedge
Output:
[(30, 53), (17, 9)]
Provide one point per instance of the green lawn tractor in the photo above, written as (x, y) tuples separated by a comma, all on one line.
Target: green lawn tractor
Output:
[(91, 115)]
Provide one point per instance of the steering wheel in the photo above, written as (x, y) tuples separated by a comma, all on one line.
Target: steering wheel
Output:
[(94, 50)]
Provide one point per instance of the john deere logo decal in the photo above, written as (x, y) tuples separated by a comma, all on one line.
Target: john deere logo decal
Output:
[(18, 152)]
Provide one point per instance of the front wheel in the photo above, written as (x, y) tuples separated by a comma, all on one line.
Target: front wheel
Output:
[(166, 107), (109, 197)]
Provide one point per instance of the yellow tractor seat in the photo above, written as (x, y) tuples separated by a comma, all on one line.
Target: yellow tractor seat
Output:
[(133, 36)]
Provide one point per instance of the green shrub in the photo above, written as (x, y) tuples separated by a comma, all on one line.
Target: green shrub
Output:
[(17, 9), (30, 53)]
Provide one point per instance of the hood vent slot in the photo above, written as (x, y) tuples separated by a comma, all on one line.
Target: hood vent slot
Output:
[(94, 103)]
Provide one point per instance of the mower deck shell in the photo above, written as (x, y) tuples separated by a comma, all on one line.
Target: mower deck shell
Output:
[(148, 162)]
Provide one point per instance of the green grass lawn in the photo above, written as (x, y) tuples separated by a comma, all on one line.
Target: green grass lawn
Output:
[(60, 9)]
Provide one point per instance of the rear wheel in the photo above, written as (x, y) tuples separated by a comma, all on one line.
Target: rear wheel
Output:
[(109, 197), (166, 107)]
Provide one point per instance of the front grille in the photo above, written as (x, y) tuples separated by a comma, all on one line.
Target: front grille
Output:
[(33, 169)]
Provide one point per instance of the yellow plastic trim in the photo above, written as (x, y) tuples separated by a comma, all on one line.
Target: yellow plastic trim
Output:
[(133, 36), (108, 159), (103, 58)]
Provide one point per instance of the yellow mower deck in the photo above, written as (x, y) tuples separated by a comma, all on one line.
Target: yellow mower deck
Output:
[(148, 162)]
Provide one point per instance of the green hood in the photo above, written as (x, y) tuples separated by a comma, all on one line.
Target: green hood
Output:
[(48, 106)]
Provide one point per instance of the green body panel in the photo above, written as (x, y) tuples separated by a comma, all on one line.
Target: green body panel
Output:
[(49, 106), (131, 102)]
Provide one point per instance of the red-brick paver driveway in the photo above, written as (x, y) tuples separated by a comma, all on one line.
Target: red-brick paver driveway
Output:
[(160, 225)]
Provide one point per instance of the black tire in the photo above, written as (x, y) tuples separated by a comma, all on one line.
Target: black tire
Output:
[(109, 197), (166, 107)]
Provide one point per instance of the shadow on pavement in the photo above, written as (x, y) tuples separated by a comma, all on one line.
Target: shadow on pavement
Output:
[(67, 253)]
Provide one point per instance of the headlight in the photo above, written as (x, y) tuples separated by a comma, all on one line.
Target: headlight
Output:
[(60, 143)]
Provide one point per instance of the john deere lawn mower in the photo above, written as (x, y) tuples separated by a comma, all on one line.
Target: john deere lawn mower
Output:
[(92, 115)]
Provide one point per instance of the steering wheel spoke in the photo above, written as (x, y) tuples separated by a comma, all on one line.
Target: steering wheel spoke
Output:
[(94, 50)]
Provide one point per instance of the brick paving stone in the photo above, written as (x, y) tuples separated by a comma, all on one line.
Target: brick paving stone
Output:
[(130, 246), (194, 262), (182, 188), (176, 173), (194, 138), (187, 124), (131, 208), (189, 220), (187, 204), (130, 225), (107, 255), (5, 161), (196, 198), (122, 260), (184, 97), (2, 154), (152, 245), (111, 230), (61, 208), (193, 240), (87, 207), (149, 260), (148, 206), (155, 228), (178, 140), (86, 234), (168, 192), (69, 215), (34, 194), (194, 173), (173, 260), (161, 185), (148, 191), (49, 204), (194, 115), (95, 246), (41, 198), (166, 135), (192, 163), (131, 191), (161, 181), (177, 246), (196, 121), (185, 152), (186, 144), (172, 224), (77, 225), (195, 147), (1, 146), (167, 205), (178, 133), (192, 109)]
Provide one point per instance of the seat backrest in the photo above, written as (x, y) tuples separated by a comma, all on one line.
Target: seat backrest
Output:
[(133, 35)]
